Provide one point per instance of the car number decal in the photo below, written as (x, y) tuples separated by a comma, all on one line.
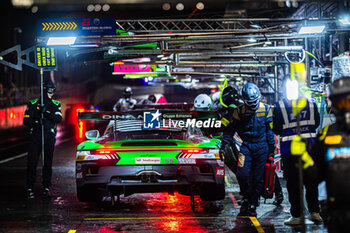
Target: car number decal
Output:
[(169, 161)]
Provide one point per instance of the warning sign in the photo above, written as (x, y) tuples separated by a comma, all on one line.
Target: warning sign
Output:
[(45, 57)]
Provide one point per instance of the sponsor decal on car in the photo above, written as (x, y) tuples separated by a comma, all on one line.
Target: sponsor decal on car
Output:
[(152, 120), (186, 161), (220, 172), (144, 160), (220, 163), (80, 157)]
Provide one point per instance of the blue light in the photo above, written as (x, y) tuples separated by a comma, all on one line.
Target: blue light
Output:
[(146, 80)]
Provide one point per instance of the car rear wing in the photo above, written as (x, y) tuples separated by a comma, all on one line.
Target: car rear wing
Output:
[(166, 106), (140, 114)]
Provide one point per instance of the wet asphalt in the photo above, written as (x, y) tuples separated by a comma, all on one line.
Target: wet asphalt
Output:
[(153, 212)]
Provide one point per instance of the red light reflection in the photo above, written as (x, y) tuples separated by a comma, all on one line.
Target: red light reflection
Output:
[(12, 117), (80, 129), (179, 224), (105, 230)]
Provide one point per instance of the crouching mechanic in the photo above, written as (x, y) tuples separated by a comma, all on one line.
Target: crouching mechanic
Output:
[(32, 118), (252, 121), (330, 158)]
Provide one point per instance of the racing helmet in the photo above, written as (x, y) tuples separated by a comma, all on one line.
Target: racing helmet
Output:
[(49, 87), (230, 96), (127, 92), (339, 95), (203, 102), (251, 96), (152, 98)]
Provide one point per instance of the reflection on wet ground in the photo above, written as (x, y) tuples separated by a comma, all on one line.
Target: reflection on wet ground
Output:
[(159, 212)]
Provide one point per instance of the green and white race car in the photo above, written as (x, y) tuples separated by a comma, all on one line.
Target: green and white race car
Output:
[(132, 158)]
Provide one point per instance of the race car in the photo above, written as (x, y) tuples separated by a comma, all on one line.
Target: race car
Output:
[(132, 157)]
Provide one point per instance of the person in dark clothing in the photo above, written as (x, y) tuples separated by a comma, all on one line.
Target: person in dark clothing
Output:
[(32, 118), (329, 158), (252, 121), (126, 103), (285, 125)]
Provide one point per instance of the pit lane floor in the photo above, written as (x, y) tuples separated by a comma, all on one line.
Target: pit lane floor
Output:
[(159, 212)]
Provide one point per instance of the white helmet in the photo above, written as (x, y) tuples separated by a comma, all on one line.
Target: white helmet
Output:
[(203, 102)]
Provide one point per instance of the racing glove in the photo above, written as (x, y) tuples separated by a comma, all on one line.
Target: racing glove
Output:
[(298, 148)]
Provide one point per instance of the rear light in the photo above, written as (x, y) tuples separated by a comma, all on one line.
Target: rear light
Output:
[(196, 153), (81, 125), (104, 154)]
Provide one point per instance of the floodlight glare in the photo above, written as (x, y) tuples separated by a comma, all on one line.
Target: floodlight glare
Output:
[(311, 29), (344, 21), (292, 89), (61, 40)]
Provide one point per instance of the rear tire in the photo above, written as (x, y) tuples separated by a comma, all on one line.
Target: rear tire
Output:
[(212, 192), (88, 195)]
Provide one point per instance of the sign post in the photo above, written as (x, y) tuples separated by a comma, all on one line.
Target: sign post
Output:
[(42, 116)]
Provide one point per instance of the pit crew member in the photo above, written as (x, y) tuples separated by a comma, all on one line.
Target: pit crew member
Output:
[(126, 103), (32, 118)]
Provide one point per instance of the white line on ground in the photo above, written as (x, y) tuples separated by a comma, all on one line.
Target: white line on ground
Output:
[(13, 158), (24, 154)]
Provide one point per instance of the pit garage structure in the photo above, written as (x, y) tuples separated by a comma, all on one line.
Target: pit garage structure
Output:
[(203, 51)]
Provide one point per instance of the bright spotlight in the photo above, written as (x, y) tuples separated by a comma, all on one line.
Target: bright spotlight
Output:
[(200, 5), (311, 29), (106, 7), (35, 9), (61, 40), (292, 89), (98, 7), (90, 8), (252, 40), (180, 6), (344, 21), (166, 6)]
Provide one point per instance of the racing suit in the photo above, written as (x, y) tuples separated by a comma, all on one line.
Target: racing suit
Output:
[(124, 104), (32, 118), (254, 128), (285, 125), (331, 154)]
